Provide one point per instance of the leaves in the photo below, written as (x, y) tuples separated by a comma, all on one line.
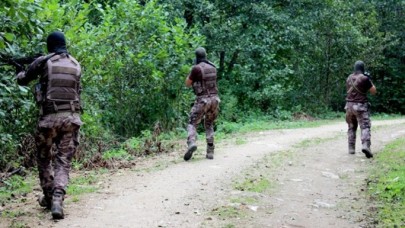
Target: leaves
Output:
[(273, 57)]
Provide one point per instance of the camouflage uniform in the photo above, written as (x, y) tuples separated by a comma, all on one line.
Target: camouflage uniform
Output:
[(358, 114), (357, 109), (203, 78), (207, 108), (58, 97), (63, 130)]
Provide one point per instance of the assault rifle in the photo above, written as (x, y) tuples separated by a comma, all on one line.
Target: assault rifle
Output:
[(18, 63)]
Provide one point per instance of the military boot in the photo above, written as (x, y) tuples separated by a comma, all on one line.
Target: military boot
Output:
[(57, 204), (352, 149), (190, 150), (366, 150), (46, 199), (210, 152)]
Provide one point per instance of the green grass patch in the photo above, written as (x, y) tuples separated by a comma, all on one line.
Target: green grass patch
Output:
[(264, 125), (244, 200), (14, 187), (384, 116), (252, 124), (226, 212), (260, 185), (119, 154), (12, 214), (229, 226), (240, 141), (258, 177), (82, 184), (387, 184), (17, 224)]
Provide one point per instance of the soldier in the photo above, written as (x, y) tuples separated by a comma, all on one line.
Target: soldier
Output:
[(58, 98), (357, 108), (203, 79)]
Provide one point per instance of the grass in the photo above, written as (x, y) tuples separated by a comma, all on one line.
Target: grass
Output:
[(226, 212), (240, 141), (14, 187), (12, 214), (258, 177), (254, 182), (244, 200), (116, 154), (387, 185), (384, 116), (82, 184), (227, 128), (16, 224), (229, 226), (259, 185)]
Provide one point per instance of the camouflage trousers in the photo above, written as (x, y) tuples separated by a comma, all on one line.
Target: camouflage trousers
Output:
[(61, 129), (206, 108), (358, 114)]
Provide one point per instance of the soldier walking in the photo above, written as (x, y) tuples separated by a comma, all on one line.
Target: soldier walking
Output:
[(58, 98), (203, 79), (357, 108)]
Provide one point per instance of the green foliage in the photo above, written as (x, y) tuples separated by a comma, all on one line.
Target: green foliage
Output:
[(389, 76), (139, 59), (387, 184), (275, 59), (116, 154)]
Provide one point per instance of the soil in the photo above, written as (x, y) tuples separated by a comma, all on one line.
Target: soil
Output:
[(314, 183)]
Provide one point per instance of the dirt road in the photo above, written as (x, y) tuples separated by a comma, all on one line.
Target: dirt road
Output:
[(316, 183)]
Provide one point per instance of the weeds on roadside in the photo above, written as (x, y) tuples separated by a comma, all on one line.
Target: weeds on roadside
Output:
[(84, 183), (14, 187), (386, 185)]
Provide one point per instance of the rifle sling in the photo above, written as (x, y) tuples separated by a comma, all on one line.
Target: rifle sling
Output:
[(352, 84)]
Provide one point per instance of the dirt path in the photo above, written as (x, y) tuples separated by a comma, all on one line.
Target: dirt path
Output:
[(318, 184)]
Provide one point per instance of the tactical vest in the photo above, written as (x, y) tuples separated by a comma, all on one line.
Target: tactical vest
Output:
[(62, 84), (208, 84)]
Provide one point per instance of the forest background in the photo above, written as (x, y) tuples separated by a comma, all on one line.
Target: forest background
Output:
[(276, 59)]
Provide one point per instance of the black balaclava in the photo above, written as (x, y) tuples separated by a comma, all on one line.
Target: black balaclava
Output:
[(56, 43), (359, 67), (201, 56)]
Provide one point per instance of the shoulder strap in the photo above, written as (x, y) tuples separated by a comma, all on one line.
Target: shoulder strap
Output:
[(353, 86), (202, 72)]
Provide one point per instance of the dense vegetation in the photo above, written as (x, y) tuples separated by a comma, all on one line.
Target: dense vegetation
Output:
[(275, 58)]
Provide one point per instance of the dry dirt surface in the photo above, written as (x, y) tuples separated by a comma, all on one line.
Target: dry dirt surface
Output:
[(311, 182)]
